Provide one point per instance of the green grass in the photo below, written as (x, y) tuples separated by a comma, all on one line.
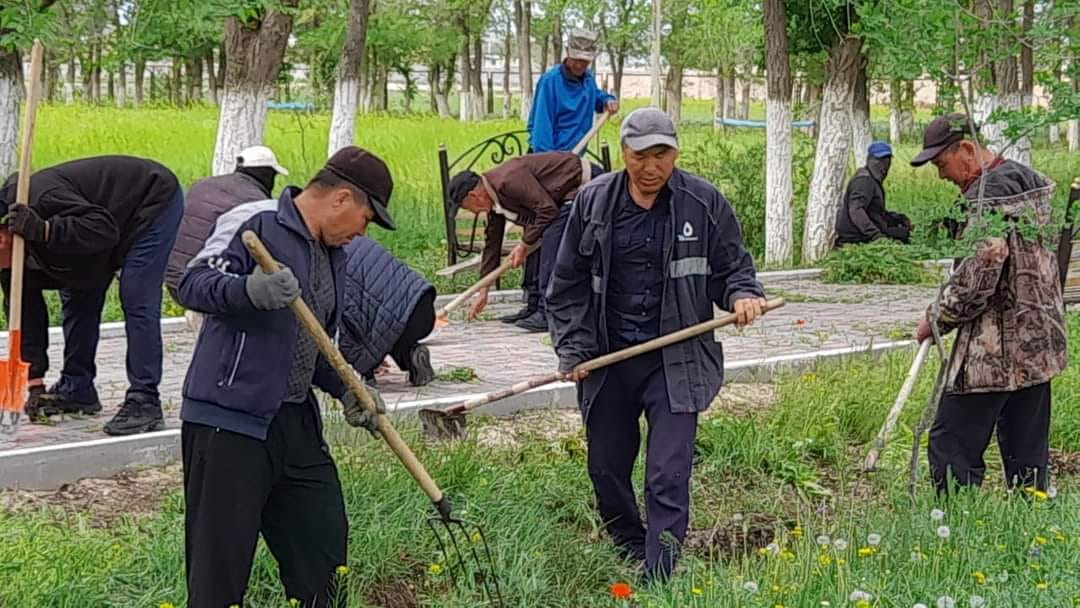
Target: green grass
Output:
[(758, 475)]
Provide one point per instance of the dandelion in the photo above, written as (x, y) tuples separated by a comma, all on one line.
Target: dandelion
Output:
[(946, 601), (797, 532), (976, 601), (435, 569), (862, 604), (824, 559), (342, 570), (696, 591), (859, 595), (787, 554), (920, 605), (737, 517), (822, 540), (866, 551), (840, 544), (1051, 492), (294, 602), (166, 605), (937, 515), (475, 537), (1003, 577), (750, 587), (979, 577), (873, 539), (1040, 540), (825, 603), (943, 532), (772, 548), (621, 591), (1041, 585)]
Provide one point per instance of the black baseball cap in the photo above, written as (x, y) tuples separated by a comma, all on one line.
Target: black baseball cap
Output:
[(368, 173), (941, 133), (459, 187)]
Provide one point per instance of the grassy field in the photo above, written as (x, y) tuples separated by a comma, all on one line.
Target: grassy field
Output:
[(770, 482)]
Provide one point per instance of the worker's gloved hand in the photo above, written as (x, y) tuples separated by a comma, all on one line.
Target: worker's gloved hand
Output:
[(26, 223), (272, 291), (357, 416)]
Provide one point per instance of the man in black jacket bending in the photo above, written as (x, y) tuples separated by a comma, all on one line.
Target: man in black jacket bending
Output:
[(87, 221), (862, 216)]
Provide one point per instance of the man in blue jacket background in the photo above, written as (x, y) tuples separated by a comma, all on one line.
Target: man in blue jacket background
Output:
[(253, 451), (647, 251)]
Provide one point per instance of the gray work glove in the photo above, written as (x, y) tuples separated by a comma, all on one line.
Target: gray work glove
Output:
[(357, 416), (272, 291)]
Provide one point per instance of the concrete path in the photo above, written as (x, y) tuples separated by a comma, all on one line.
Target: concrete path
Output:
[(817, 317)]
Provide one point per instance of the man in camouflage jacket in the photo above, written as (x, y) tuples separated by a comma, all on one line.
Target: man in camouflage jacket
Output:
[(1005, 302)]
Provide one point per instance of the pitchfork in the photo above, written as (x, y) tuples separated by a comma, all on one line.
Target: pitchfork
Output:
[(463, 545), (14, 371)]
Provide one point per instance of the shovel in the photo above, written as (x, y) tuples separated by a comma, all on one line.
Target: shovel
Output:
[(870, 464), (450, 423), (13, 370), (442, 316), (463, 545)]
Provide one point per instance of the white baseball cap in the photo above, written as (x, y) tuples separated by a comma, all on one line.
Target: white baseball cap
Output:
[(259, 156)]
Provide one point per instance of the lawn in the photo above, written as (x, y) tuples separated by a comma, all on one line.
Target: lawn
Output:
[(781, 516)]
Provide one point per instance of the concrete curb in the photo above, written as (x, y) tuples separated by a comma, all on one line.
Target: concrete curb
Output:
[(50, 467)]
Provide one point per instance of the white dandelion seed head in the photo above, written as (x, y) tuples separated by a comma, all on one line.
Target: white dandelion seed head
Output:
[(943, 531), (750, 586), (1051, 491), (772, 548), (976, 601), (1003, 577), (839, 544), (873, 539), (920, 605), (823, 540), (858, 595), (946, 601), (937, 515), (737, 517)]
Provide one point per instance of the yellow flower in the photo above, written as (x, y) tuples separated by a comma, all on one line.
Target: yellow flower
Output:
[(862, 604), (475, 537), (1040, 540), (342, 570), (797, 532), (1041, 585), (166, 605), (762, 551), (840, 561), (825, 559), (294, 602), (979, 576), (1034, 566), (776, 588), (1059, 536), (865, 551), (788, 555), (435, 569), (696, 591), (1001, 547), (778, 606)]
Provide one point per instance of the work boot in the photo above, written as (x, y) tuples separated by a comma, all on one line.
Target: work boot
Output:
[(525, 311), (30, 407), (63, 398), (534, 323), (138, 414), (420, 370)]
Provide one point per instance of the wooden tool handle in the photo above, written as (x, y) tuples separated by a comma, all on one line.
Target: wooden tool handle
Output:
[(333, 355), (608, 359), (593, 131), (22, 188), (485, 281), (898, 406)]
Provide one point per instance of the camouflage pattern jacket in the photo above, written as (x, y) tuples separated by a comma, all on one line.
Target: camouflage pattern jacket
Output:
[(1005, 300)]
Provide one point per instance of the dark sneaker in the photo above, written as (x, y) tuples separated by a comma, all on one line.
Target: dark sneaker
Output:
[(57, 400), (420, 370), (534, 323), (138, 414), (30, 408), (519, 315)]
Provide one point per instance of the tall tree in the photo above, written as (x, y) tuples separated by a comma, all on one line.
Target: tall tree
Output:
[(779, 242), (20, 23), (523, 27), (861, 132), (255, 42), (655, 69), (347, 82)]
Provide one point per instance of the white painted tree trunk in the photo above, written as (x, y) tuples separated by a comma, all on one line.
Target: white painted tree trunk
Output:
[(463, 105), (66, 79), (861, 133), (121, 85), (10, 94), (1074, 135), (778, 189), (995, 131), (718, 103), (1054, 134), (894, 126), (241, 124), (343, 115), (656, 87), (833, 148)]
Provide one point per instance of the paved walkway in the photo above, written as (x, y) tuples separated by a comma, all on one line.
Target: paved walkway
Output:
[(817, 317)]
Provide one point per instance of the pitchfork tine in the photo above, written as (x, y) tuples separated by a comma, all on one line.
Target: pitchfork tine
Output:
[(456, 558)]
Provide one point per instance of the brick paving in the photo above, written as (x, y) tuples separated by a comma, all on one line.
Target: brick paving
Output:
[(817, 317)]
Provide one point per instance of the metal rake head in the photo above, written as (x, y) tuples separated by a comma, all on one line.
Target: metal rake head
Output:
[(466, 553), (441, 425)]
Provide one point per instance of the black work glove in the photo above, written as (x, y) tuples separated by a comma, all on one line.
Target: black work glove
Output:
[(357, 416), (26, 223)]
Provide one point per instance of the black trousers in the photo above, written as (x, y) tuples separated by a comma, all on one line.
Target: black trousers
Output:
[(962, 431), (35, 319), (419, 325), (285, 487), (631, 388)]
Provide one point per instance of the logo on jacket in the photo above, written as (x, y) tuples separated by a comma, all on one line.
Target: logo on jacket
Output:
[(687, 232)]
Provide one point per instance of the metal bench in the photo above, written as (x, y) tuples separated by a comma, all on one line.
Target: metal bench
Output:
[(463, 255), (1069, 251)]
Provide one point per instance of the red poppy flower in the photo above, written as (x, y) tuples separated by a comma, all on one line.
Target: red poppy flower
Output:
[(800, 322), (621, 591)]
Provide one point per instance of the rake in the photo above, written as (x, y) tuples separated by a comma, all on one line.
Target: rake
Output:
[(870, 463), (450, 423), (13, 370), (462, 544)]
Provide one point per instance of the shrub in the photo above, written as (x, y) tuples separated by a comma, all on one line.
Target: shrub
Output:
[(883, 261)]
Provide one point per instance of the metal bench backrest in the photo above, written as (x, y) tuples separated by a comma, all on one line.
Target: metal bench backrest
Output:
[(1068, 253), (482, 156)]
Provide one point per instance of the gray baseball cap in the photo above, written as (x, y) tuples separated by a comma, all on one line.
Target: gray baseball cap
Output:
[(581, 45), (647, 127)]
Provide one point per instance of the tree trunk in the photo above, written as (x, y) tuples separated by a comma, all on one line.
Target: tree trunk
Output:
[(557, 38), (1006, 94), (69, 81), (465, 59), (175, 92), (1074, 124), (779, 240), (673, 88), (861, 133), (907, 112), (86, 71), (719, 109), (1027, 59), (744, 100), (833, 147), (730, 95), (195, 79), (507, 96), (111, 86), (140, 71), (656, 87), (121, 85), (523, 25), (894, 112), (617, 70), (153, 86), (254, 52), (544, 54), (379, 100), (211, 78), (10, 95), (347, 78), (442, 95), (97, 74), (479, 109)]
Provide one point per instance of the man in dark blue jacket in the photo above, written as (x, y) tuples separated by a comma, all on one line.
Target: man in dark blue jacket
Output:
[(647, 251), (253, 452)]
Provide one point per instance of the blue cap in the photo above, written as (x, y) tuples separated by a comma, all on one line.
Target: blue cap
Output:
[(880, 149)]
